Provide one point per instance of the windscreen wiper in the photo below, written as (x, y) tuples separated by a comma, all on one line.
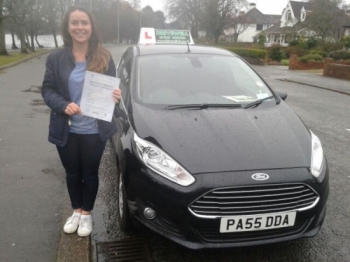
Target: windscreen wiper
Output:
[(202, 106), (257, 102)]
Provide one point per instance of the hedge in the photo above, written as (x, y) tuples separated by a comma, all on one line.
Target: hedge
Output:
[(310, 57), (252, 53), (342, 54)]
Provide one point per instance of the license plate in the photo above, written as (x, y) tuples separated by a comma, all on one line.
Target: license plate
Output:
[(257, 222)]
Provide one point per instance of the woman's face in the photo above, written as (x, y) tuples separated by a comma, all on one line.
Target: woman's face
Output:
[(79, 27)]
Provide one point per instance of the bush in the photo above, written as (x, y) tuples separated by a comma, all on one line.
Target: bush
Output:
[(253, 53), (302, 45), (311, 43), (346, 42), (319, 52), (297, 50), (294, 43), (341, 54), (285, 62), (276, 53), (310, 57), (330, 47), (262, 40)]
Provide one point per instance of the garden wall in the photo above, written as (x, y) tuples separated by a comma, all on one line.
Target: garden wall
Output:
[(294, 64), (337, 69)]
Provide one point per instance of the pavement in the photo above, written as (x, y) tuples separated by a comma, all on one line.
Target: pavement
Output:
[(312, 78), (74, 248)]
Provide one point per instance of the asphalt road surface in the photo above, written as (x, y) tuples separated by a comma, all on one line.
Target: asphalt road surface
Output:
[(326, 113), (31, 179)]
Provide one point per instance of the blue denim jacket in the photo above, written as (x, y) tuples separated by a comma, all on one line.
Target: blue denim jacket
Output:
[(59, 66)]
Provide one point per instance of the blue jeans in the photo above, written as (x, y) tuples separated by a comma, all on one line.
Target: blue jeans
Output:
[(81, 157)]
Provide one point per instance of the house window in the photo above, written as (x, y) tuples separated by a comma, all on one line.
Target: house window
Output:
[(289, 16), (259, 27), (303, 16)]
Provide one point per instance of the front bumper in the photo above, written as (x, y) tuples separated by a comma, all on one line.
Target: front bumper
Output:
[(175, 221)]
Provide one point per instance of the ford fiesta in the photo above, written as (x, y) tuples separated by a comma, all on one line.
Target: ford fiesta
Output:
[(209, 155)]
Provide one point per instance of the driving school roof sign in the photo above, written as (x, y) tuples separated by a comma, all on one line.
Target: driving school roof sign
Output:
[(163, 36)]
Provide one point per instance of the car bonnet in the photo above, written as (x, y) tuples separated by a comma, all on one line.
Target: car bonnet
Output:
[(221, 140)]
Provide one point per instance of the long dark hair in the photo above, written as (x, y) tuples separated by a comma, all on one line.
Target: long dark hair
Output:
[(97, 57)]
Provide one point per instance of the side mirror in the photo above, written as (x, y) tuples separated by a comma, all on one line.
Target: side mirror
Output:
[(283, 95)]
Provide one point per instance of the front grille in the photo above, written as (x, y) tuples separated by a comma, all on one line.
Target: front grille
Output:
[(212, 235), (258, 199)]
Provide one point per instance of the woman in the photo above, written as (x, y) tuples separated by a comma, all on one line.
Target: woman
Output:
[(80, 140)]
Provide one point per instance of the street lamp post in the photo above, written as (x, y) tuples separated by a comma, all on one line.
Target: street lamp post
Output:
[(140, 15), (118, 23)]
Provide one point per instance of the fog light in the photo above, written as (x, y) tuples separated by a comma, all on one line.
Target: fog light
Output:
[(149, 213)]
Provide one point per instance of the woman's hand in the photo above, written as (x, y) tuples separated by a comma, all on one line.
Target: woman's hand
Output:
[(72, 109), (117, 94)]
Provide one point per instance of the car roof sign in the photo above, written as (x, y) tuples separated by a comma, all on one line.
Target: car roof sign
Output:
[(164, 36), (147, 36)]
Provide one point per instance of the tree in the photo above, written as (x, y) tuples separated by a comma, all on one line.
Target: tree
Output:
[(237, 22), (159, 20), (129, 23), (187, 14), (35, 23), (326, 20), (147, 17), (217, 15), (3, 50), (22, 13), (261, 38)]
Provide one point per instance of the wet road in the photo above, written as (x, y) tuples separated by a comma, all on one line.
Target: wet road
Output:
[(31, 179), (327, 114)]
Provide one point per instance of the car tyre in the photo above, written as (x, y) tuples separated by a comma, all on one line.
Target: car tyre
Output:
[(123, 208)]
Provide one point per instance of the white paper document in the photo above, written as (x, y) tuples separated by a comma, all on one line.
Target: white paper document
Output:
[(97, 98)]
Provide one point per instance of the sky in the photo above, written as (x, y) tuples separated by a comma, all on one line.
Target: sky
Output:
[(265, 6)]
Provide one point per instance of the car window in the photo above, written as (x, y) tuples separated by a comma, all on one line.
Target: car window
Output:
[(124, 73), (192, 78)]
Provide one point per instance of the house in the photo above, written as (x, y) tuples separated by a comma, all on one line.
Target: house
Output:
[(250, 24), (291, 24)]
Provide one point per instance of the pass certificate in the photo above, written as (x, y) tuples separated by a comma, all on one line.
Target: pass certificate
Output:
[(97, 97)]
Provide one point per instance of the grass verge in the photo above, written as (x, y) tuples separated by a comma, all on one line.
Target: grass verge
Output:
[(16, 56)]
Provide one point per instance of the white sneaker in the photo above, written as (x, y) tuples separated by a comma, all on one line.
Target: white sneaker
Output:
[(85, 226), (72, 223)]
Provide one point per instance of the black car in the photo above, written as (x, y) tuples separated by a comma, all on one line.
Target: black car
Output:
[(209, 155)]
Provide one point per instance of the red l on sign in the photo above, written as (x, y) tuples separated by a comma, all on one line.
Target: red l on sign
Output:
[(147, 36)]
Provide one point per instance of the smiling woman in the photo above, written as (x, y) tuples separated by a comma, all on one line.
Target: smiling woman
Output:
[(79, 27), (80, 140)]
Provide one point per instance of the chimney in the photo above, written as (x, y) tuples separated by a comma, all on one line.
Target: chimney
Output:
[(252, 5)]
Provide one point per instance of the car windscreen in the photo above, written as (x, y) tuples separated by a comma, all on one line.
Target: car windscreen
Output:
[(183, 79)]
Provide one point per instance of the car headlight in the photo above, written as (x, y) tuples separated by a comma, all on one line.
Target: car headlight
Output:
[(317, 157), (161, 163)]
